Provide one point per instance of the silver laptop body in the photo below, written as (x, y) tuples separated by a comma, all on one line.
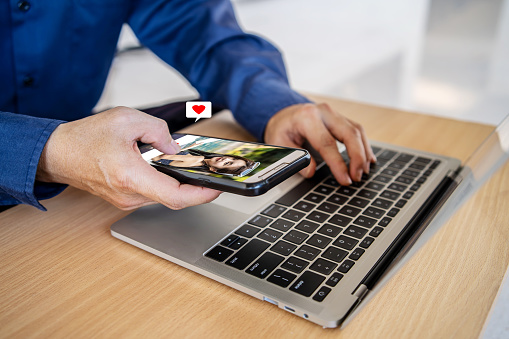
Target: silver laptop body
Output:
[(207, 238)]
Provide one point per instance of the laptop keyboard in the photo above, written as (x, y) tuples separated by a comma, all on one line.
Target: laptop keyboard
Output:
[(311, 237)]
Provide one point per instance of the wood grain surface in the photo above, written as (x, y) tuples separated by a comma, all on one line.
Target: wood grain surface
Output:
[(63, 275)]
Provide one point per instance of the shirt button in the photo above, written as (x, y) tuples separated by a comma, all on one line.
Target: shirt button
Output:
[(24, 6), (28, 81)]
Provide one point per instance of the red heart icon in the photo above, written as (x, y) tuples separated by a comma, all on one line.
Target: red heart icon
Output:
[(198, 108)]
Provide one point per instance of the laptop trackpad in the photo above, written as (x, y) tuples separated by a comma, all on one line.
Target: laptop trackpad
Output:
[(184, 234)]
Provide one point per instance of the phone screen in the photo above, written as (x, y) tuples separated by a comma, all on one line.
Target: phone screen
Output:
[(228, 159)]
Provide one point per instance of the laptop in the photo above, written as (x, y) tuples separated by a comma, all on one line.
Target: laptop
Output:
[(311, 246)]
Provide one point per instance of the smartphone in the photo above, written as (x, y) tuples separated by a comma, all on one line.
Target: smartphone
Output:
[(245, 168)]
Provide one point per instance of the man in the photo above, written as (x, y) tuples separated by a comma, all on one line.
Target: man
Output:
[(56, 56)]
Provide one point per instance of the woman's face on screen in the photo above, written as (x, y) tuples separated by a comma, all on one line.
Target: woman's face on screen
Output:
[(225, 162)]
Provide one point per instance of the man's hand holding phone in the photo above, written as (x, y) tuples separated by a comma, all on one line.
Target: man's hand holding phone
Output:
[(99, 154)]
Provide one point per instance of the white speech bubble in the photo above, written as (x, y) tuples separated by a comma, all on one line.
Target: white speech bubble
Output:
[(198, 109)]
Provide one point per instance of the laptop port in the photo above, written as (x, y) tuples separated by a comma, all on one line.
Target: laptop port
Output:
[(289, 309), (270, 301)]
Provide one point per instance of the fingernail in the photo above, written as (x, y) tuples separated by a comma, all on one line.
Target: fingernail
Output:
[(348, 180), (359, 174), (175, 146)]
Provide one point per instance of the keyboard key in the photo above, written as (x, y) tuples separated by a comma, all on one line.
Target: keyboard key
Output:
[(400, 203), (350, 211), (358, 202), (281, 278), (410, 173), (331, 182), (219, 253), (260, 221), (293, 215), (356, 254), (385, 221), (307, 252), (307, 226), (282, 225), (376, 231), (415, 187), (345, 242), (390, 195), (247, 254), (319, 241), (340, 220), (417, 166), (346, 190), (408, 195), (423, 160), (325, 190), (397, 187), (304, 206), (376, 186), (421, 180), (318, 216), (323, 266), (328, 207), (331, 231), (307, 283), (427, 173), (270, 235), (365, 221), (346, 266), (337, 199), (382, 203), (247, 231), (335, 254), (294, 264), (366, 242), (295, 236), (404, 180), (397, 165), (386, 154), (238, 243), (403, 157), (316, 198), (334, 279), (392, 213), (262, 267), (435, 164), (390, 172), (367, 194), (229, 240), (321, 294), (274, 210), (382, 178), (356, 232), (283, 247), (374, 212)]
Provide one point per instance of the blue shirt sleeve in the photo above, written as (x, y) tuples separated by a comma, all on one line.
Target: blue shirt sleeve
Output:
[(23, 139), (227, 66)]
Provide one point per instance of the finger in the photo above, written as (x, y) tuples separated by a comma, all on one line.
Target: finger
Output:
[(155, 131), (350, 135), (314, 130), (370, 155)]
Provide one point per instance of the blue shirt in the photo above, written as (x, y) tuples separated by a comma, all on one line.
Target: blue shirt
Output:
[(56, 54)]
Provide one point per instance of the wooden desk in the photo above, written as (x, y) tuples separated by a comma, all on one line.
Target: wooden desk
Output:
[(63, 275)]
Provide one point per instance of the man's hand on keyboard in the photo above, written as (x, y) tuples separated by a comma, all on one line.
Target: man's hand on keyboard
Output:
[(321, 127), (99, 154)]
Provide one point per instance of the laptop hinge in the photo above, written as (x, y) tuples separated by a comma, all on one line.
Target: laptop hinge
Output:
[(360, 291)]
